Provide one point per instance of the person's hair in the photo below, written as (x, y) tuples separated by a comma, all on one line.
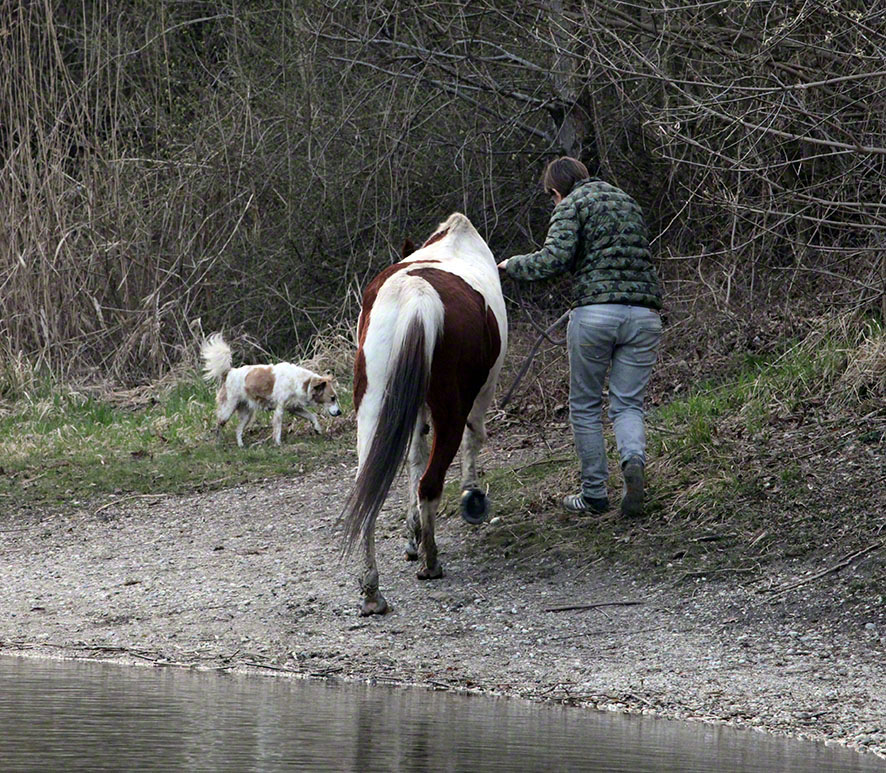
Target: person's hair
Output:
[(562, 174)]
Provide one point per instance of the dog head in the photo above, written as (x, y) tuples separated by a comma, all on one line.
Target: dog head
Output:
[(322, 391)]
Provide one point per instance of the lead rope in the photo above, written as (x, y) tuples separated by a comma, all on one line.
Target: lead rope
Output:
[(544, 336)]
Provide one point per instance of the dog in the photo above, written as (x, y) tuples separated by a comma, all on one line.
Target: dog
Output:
[(281, 387)]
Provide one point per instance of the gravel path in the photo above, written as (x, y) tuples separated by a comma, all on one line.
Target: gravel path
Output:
[(250, 577)]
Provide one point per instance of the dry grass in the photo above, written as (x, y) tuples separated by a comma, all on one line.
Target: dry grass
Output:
[(165, 168), (19, 376), (333, 351), (865, 375)]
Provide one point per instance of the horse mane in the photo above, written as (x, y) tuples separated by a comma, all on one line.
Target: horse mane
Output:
[(407, 249)]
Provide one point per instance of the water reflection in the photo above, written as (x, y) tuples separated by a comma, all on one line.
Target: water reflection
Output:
[(90, 716)]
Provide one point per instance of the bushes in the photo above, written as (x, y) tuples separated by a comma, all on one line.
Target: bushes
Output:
[(176, 165)]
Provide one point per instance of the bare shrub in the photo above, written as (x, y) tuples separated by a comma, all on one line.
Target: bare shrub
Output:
[(252, 166)]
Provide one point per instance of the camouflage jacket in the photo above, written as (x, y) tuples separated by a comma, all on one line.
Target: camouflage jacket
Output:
[(598, 234)]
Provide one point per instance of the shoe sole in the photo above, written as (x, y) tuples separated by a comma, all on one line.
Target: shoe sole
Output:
[(632, 503)]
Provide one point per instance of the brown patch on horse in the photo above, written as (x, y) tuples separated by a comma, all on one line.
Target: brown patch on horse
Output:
[(359, 378), (259, 384), (464, 355), (436, 237)]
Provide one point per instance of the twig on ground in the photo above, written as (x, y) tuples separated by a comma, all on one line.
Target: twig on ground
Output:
[(638, 698), (270, 667), (124, 499), (659, 428), (705, 573), (713, 537), (580, 607), (824, 572), (326, 672), (550, 460)]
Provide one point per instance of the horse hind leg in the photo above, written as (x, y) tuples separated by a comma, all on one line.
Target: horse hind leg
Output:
[(447, 438), (474, 503), (373, 602), (418, 461), (431, 568)]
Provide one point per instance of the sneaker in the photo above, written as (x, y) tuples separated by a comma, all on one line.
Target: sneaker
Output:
[(579, 503), (634, 479)]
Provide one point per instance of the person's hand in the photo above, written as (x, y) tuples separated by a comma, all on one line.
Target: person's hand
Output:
[(503, 265)]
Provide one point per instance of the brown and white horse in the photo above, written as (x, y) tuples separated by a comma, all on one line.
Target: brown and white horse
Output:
[(432, 337)]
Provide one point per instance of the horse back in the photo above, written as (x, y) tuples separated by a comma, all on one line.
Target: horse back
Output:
[(469, 347)]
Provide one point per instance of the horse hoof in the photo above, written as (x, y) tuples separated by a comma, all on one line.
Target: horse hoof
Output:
[(474, 506), (434, 573), (411, 551), (378, 606)]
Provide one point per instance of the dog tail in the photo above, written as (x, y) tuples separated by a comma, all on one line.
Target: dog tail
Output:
[(404, 326), (216, 356)]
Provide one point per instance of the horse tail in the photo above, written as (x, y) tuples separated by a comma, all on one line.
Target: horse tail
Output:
[(405, 333), (216, 356)]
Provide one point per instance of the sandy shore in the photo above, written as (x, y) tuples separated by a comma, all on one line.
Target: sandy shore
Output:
[(250, 577)]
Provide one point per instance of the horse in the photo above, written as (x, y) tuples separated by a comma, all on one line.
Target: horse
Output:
[(431, 338)]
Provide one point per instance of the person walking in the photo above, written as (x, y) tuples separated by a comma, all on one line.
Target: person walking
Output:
[(598, 234)]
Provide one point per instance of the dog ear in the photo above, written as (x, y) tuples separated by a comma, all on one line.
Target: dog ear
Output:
[(319, 384)]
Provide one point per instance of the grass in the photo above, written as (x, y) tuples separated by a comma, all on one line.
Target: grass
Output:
[(62, 447), (733, 478), (712, 471), (758, 389)]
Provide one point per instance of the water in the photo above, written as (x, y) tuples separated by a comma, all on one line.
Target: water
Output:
[(71, 716)]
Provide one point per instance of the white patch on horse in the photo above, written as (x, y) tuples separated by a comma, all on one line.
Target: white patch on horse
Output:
[(405, 324)]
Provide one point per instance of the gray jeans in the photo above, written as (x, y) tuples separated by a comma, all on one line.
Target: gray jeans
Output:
[(625, 338)]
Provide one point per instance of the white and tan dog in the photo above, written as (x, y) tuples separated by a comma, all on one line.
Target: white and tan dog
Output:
[(281, 387)]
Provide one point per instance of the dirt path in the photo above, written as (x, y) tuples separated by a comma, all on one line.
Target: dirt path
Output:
[(250, 577)]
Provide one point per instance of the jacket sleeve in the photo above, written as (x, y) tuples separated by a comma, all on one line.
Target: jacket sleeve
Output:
[(558, 252)]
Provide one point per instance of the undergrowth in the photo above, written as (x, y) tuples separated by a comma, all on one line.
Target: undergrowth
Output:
[(773, 460), (777, 458), (62, 446)]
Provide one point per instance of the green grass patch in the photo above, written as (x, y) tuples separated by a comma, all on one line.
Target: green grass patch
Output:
[(709, 469), (63, 446), (756, 390), (711, 481)]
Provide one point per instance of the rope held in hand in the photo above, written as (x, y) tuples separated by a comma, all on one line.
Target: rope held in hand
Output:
[(532, 352)]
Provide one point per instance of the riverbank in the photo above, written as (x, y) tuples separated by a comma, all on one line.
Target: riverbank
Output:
[(249, 577)]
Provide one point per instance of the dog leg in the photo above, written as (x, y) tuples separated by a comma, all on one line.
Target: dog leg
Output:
[(223, 412), (277, 423), (311, 417), (245, 414), (221, 420)]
